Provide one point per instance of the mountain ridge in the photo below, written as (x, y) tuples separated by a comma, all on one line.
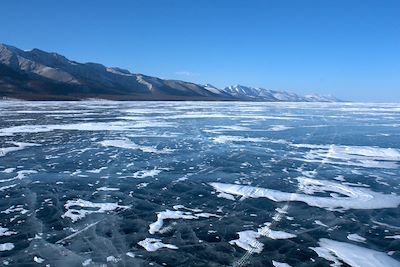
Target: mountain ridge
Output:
[(41, 75)]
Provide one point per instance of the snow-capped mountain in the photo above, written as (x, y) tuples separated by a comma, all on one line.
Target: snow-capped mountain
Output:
[(321, 98), (261, 94), (40, 75)]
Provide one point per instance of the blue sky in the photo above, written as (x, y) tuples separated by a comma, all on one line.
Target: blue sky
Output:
[(349, 48)]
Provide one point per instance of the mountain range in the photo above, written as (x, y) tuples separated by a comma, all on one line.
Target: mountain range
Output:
[(40, 75)]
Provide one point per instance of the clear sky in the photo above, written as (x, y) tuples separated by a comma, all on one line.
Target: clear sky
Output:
[(349, 48)]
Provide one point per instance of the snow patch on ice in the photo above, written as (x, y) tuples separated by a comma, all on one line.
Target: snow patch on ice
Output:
[(280, 264), (153, 244), (352, 255), (105, 188), (225, 128), (248, 239), (130, 254), (124, 143), (356, 238), (227, 138), (97, 170), (20, 175), (6, 246), (277, 128), (320, 223), (222, 139), (361, 156), (2, 188), (225, 195), (8, 170), (146, 173), (17, 146), (349, 198), (393, 236), (76, 208), (112, 259), (88, 126), (177, 214), (87, 262), (38, 259), (4, 232)]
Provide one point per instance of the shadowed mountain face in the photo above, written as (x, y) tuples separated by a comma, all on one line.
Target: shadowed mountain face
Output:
[(39, 75)]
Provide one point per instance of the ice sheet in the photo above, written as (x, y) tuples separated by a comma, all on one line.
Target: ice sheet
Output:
[(342, 152)]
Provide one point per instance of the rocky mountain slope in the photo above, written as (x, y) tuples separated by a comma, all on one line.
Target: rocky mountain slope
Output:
[(40, 75)]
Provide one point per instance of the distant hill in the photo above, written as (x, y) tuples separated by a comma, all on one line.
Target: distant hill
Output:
[(40, 75)]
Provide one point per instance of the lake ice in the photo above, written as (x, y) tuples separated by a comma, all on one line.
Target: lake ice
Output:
[(199, 184)]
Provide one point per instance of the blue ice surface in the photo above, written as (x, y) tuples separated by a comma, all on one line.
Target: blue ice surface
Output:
[(82, 182)]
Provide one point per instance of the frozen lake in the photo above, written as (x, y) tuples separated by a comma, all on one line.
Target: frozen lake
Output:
[(199, 184)]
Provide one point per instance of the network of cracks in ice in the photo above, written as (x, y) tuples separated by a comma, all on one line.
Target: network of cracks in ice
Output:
[(199, 184)]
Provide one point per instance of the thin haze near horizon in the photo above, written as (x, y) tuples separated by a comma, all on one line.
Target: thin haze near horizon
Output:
[(348, 48)]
